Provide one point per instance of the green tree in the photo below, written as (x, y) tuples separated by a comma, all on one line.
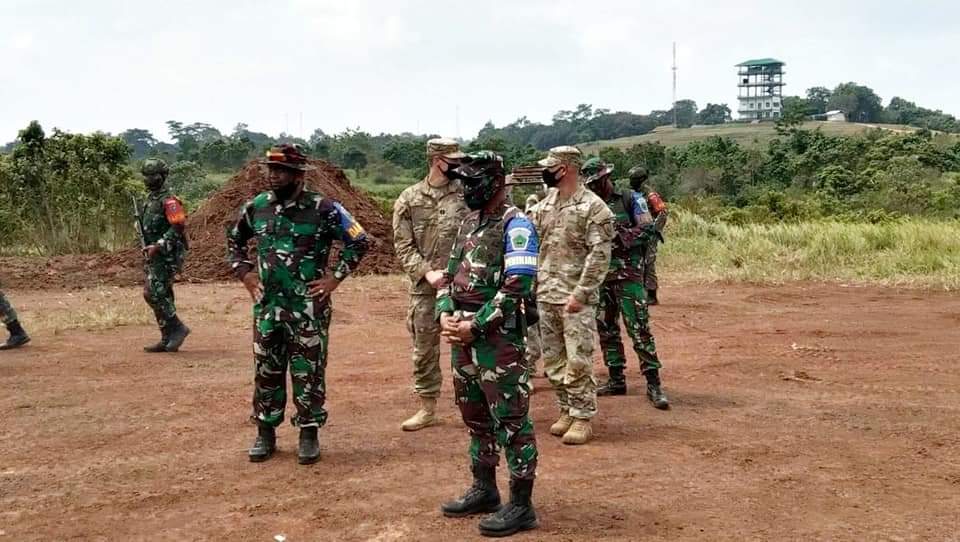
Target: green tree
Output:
[(355, 159), (860, 103), (141, 142), (686, 113), (817, 100), (714, 114)]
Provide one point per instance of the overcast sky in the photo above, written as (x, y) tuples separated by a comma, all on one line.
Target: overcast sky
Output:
[(395, 66)]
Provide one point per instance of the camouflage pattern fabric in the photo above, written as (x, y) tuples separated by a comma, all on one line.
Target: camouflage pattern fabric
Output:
[(491, 270), (622, 291), (534, 348), (568, 346), (160, 212), (425, 332), (294, 239), (650, 266), (576, 236), (628, 298), (7, 314), (425, 223)]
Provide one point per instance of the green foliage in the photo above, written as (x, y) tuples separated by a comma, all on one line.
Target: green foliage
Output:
[(354, 158), (686, 113), (860, 103), (188, 181), (714, 114), (571, 127), (66, 193)]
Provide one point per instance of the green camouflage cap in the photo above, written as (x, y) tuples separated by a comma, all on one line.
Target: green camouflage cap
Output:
[(154, 166), (562, 155), (595, 169), (447, 148)]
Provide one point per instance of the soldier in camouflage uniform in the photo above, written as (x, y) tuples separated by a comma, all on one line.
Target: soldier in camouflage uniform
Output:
[(622, 291), (534, 344), (658, 209), (163, 221), (425, 221), (491, 270), (576, 230), (8, 317), (295, 229)]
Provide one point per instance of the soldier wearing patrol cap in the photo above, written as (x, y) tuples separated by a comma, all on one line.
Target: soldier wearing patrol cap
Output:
[(426, 217), (576, 230)]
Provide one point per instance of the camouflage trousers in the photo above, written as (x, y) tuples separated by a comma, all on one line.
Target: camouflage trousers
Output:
[(490, 382), (534, 348), (7, 314), (568, 346), (627, 298), (650, 266), (425, 333), (300, 343), (158, 291)]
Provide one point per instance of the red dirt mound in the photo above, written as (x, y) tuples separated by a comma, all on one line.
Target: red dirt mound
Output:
[(207, 231), (207, 226)]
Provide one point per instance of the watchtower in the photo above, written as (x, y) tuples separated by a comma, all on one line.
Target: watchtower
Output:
[(760, 85)]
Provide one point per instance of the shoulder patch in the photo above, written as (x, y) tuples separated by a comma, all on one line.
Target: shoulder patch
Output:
[(522, 247), (640, 203), (352, 229), (174, 211)]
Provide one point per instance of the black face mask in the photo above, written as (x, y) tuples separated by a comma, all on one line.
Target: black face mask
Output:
[(153, 183), (450, 173), (286, 192), (551, 179)]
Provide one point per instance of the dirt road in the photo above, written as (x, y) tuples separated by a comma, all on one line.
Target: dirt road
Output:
[(801, 412)]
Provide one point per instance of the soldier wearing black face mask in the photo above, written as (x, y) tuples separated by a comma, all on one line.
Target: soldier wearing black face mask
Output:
[(425, 221)]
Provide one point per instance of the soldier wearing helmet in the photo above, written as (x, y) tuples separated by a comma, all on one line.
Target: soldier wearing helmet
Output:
[(622, 292), (491, 270), (163, 227), (658, 208)]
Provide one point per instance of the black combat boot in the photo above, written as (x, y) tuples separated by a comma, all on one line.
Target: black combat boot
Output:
[(654, 393), (615, 385), (652, 297), (162, 345), (18, 337), (518, 515), (178, 333), (309, 450), (482, 497), (265, 444)]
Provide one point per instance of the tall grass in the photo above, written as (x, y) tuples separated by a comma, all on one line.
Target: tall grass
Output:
[(906, 252)]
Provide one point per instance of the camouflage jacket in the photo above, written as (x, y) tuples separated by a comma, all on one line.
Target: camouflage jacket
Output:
[(293, 244), (161, 212), (425, 221), (575, 243), (491, 269), (634, 230)]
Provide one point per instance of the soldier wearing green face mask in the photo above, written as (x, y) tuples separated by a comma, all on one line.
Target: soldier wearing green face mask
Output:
[(290, 284), (163, 227), (622, 292)]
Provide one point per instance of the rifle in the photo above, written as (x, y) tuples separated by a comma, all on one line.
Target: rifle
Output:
[(138, 223)]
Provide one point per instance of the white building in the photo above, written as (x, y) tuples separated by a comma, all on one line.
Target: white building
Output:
[(760, 84)]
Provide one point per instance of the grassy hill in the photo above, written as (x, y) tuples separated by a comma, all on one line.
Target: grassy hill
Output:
[(745, 134)]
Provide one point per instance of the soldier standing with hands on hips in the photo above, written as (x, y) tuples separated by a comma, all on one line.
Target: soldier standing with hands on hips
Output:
[(290, 285)]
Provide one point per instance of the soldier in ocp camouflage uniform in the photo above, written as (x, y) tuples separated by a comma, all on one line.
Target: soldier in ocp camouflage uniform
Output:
[(576, 229), (490, 272), (295, 229), (8, 317), (165, 247), (658, 209), (622, 291), (425, 221)]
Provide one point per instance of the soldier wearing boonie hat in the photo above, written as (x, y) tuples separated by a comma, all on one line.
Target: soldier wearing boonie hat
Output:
[(576, 230), (426, 218)]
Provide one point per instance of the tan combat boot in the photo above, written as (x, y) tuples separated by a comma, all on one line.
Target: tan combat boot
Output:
[(579, 433), (561, 426), (425, 417)]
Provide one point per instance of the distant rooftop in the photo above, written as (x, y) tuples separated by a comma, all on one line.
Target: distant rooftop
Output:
[(761, 62)]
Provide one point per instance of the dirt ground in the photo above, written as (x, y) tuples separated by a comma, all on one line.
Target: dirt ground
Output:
[(800, 412)]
